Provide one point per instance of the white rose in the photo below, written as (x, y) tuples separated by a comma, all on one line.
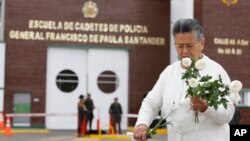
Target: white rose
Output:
[(235, 86), (222, 89), (193, 82), (235, 97), (186, 62), (200, 64)]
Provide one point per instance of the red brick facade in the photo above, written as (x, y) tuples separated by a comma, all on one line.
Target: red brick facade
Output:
[(26, 59), (226, 29)]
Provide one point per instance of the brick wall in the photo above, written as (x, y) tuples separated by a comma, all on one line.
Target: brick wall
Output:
[(227, 22), (245, 114), (26, 59)]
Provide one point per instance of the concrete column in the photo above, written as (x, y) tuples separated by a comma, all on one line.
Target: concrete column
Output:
[(2, 74), (179, 9)]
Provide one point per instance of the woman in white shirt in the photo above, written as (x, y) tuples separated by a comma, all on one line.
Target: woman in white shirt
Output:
[(169, 93)]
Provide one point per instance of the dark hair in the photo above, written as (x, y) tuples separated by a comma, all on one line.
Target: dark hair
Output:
[(188, 25), (81, 96)]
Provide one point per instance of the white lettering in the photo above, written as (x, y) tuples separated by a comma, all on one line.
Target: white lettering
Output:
[(239, 132)]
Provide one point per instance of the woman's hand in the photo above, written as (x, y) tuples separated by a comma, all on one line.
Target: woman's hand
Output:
[(199, 104), (140, 132)]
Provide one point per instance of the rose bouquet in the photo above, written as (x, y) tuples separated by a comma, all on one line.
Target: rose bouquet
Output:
[(214, 92)]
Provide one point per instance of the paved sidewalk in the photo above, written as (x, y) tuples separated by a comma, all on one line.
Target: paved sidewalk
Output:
[(60, 135)]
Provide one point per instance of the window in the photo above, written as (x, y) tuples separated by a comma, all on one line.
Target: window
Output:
[(245, 97), (67, 81), (107, 81)]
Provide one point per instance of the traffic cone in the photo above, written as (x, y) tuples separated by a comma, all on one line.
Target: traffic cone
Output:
[(1, 121), (83, 127), (111, 128), (8, 128)]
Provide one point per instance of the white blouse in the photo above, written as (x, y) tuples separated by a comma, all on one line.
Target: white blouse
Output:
[(168, 95)]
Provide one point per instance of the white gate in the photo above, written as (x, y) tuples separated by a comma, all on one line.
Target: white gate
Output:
[(66, 80), (101, 72), (106, 68)]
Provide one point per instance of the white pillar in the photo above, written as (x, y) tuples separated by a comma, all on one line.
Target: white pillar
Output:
[(2, 74), (2, 13), (179, 9)]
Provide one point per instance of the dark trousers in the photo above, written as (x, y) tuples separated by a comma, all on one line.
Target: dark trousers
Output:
[(116, 122), (89, 121)]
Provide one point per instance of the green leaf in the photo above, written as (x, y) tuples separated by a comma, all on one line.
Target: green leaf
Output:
[(205, 78), (206, 85), (215, 106), (224, 102)]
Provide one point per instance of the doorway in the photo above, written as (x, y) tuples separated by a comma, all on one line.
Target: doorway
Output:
[(102, 72), (22, 104)]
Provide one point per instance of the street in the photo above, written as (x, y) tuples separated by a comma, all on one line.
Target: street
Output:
[(62, 135)]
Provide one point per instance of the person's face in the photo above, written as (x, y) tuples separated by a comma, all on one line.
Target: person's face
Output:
[(187, 45)]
